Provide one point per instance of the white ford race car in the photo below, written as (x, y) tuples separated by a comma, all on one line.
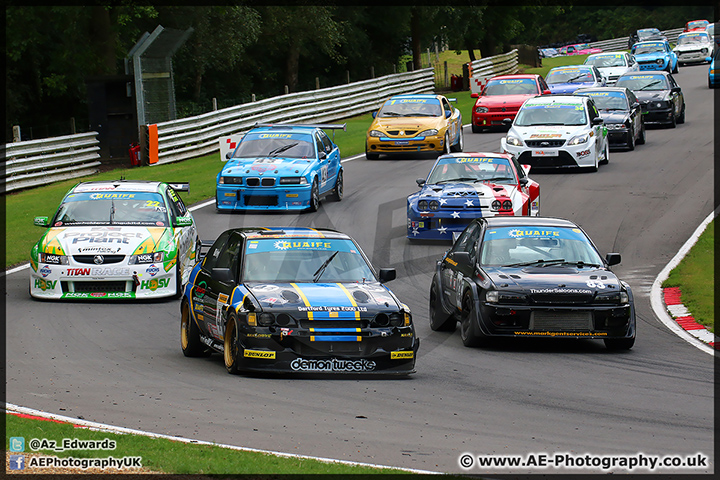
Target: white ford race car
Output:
[(558, 131), (118, 239)]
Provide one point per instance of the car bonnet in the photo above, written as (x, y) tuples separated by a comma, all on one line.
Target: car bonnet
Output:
[(565, 279), (106, 240)]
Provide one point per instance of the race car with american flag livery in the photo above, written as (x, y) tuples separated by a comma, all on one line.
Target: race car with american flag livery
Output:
[(464, 186)]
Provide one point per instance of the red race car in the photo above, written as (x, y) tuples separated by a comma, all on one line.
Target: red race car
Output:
[(501, 98), (696, 25)]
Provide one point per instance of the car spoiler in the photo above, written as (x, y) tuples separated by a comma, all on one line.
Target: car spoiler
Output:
[(328, 126), (204, 248), (180, 186)]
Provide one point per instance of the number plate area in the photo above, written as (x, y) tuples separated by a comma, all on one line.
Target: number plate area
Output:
[(561, 321), (544, 153)]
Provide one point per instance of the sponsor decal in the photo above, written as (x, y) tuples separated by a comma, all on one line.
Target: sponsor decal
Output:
[(115, 196), (102, 237), (412, 100), (584, 153), (401, 355), (275, 135), (152, 270), (45, 284), (561, 290), (154, 284), (451, 262), (292, 195), (332, 365), (517, 233), (98, 272), (72, 272), (332, 309), (99, 249), (406, 334), (258, 354), (200, 289), (545, 135), (595, 284), (259, 335), (481, 160), (285, 245), (45, 271), (229, 194)]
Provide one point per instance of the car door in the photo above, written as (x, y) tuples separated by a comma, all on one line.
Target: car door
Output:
[(199, 287), (219, 290), (597, 130), (323, 164), (458, 264), (676, 95), (333, 157), (635, 113), (184, 235)]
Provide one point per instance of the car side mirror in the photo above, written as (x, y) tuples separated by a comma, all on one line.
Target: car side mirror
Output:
[(523, 181), (675, 89), (474, 95), (507, 121), (420, 182), (322, 155), (182, 222), (547, 92), (223, 275), (597, 121), (461, 257), (387, 274), (612, 258), (448, 113), (374, 114), (228, 155), (41, 222)]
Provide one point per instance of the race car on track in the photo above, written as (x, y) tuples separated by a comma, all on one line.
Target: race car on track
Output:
[(696, 25), (621, 114), (713, 73), (578, 49), (644, 35), (660, 96), (655, 56), (613, 64), (295, 299), (461, 187), (694, 47), (558, 131), (280, 167), (530, 277), (115, 239), (567, 79), (501, 98), (415, 123)]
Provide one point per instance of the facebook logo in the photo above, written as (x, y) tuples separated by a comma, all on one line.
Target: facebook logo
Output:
[(17, 444), (17, 462)]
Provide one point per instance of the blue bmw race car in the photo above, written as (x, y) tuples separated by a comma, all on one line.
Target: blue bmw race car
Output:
[(655, 56), (279, 167)]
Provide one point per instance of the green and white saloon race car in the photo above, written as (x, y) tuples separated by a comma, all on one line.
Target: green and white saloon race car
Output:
[(115, 239)]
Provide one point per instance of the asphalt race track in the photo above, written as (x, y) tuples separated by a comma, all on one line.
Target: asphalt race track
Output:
[(122, 365)]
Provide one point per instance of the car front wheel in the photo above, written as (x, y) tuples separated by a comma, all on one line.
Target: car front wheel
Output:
[(338, 191), (439, 320), (314, 196), (190, 335), (468, 333), (231, 345)]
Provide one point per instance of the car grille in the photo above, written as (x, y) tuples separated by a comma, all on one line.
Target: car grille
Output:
[(407, 133), (544, 143), (90, 259), (333, 324), (563, 159), (256, 182), (89, 287), (261, 200), (561, 321)]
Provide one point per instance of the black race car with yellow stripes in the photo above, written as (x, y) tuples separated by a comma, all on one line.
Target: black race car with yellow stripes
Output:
[(298, 300)]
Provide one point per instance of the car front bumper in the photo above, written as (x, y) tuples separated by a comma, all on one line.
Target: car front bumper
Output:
[(230, 197), (565, 156)]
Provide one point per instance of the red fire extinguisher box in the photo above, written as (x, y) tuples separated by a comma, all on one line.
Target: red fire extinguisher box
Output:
[(134, 153)]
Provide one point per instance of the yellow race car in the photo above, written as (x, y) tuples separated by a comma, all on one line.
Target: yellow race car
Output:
[(415, 123)]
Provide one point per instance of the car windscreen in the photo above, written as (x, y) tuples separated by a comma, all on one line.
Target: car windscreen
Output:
[(607, 100), (320, 260), (289, 145), (551, 114), (604, 61), (411, 107), (116, 208), (649, 48), (471, 170), (693, 38), (507, 246), (697, 24), (520, 86), (570, 75), (641, 82)]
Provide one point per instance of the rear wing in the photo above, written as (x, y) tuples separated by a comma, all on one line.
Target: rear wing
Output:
[(180, 186)]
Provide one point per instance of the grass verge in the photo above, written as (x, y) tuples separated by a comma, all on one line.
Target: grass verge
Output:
[(168, 456), (695, 276)]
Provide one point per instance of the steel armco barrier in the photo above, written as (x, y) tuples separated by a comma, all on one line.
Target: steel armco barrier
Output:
[(41, 162)]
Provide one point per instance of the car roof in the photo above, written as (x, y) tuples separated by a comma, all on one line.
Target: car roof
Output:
[(646, 72), (476, 155), (607, 53), (118, 185), (515, 76), (550, 99), (280, 128), (503, 221), (426, 96), (659, 40), (289, 232), (601, 89)]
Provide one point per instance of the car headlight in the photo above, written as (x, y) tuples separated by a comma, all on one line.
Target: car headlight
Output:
[(704, 50), (266, 319), (375, 133), (482, 110), (434, 205), (659, 61), (661, 104), (53, 259), (491, 296), (146, 258), (612, 298), (293, 181), (580, 139), (428, 133), (396, 319), (513, 141), (423, 205)]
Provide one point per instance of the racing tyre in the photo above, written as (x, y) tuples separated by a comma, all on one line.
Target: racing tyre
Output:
[(619, 343), (606, 156), (338, 191), (641, 138), (468, 333), (314, 196), (672, 121), (446, 144), (439, 321), (190, 335), (231, 345), (178, 282), (460, 143), (631, 140), (476, 129), (371, 156), (681, 118)]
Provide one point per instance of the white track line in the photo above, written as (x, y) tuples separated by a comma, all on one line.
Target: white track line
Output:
[(656, 289), (9, 407)]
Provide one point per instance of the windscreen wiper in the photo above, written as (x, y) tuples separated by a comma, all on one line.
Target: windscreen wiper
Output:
[(318, 273), (536, 262), (279, 150)]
